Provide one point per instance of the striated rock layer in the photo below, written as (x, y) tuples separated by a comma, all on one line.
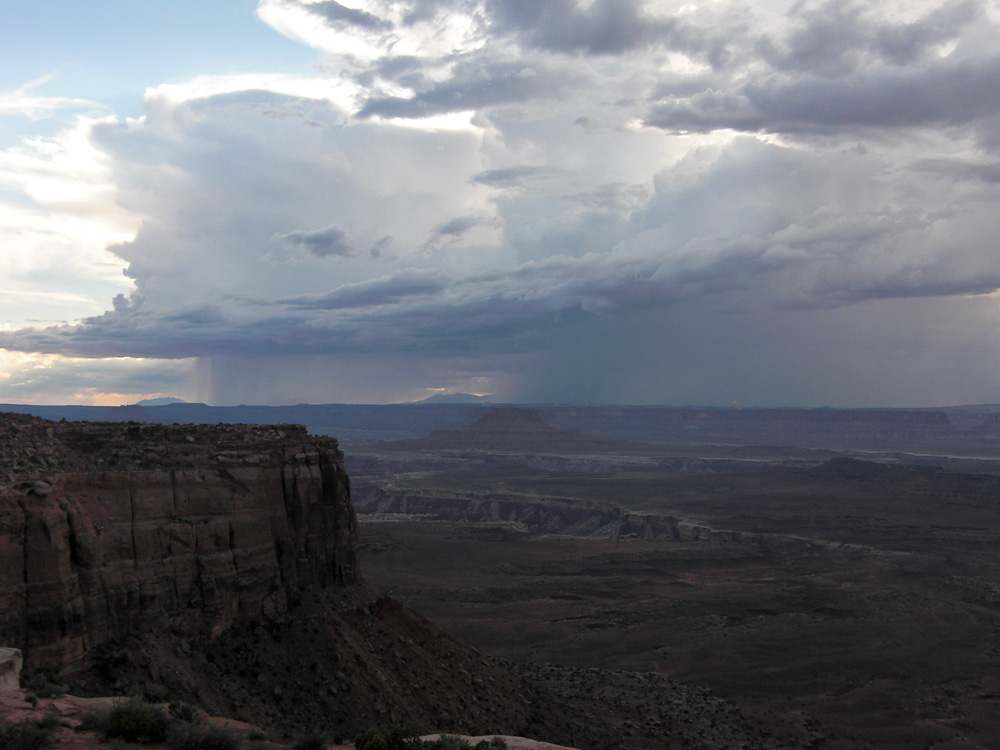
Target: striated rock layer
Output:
[(111, 530)]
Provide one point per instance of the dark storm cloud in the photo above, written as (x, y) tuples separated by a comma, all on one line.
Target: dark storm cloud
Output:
[(958, 169), (906, 43), (322, 243), (411, 282), (426, 309), (455, 228), (949, 93), (335, 13), (404, 70), (838, 37), (202, 315), (552, 220), (605, 27), (475, 84)]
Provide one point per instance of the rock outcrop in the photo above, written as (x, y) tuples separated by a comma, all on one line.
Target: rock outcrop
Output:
[(10, 669), (559, 515), (112, 530)]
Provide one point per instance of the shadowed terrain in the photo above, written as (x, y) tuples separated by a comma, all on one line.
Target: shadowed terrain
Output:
[(838, 602)]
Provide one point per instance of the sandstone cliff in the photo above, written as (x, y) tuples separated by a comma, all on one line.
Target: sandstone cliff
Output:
[(111, 530)]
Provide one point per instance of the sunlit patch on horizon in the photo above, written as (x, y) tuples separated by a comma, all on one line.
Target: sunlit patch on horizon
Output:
[(28, 378)]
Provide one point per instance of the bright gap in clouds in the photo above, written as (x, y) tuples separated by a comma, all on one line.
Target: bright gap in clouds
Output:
[(54, 379)]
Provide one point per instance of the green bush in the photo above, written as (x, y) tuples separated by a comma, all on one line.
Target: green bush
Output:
[(27, 735), (136, 721), (183, 735)]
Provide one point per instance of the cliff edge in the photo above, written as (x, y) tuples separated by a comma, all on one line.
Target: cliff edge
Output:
[(109, 530)]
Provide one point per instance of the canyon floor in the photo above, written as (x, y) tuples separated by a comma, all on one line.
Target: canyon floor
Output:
[(605, 592), (824, 600)]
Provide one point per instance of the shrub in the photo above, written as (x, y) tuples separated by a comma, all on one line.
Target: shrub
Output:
[(27, 735), (448, 742), (310, 741), (43, 684), (136, 721), (93, 721), (154, 692), (183, 735), (387, 738), (49, 722), (406, 738), (183, 711)]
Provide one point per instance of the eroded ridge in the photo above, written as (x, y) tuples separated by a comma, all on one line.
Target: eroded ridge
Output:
[(113, 529)]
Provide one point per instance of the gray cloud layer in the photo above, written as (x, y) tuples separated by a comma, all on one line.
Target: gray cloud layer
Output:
[(603, 197), (322, 243)]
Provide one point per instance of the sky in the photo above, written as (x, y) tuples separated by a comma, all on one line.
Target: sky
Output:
[(570, 201)]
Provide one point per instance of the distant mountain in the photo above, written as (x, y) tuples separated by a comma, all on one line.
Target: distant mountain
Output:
[(509, 429), (455, 398), (164, 401), (509, 419), (126, 413)]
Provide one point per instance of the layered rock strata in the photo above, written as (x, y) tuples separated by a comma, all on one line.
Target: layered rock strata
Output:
[(111, 530)]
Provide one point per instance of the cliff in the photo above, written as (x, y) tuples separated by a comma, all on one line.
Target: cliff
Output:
[(111, 530)]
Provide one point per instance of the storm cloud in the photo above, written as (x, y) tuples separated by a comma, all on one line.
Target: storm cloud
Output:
[(598, 201), (322, 243)]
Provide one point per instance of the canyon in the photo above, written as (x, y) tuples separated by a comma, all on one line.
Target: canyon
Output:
[(219, 565), (753, 578), (839, 598)]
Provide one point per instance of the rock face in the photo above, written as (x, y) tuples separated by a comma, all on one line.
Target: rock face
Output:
[(558, 515), (10, 669), (111, 530)]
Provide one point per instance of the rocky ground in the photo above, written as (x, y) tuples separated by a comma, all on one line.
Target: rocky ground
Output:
[(379, 663), (70, 733), (824, 648)]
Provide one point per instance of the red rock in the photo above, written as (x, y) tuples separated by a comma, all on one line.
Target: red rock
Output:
[(145, 530)]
